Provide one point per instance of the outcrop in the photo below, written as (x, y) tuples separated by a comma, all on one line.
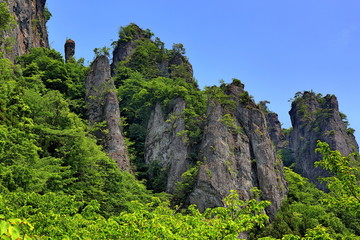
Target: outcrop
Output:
[(69, 48), (314, 118), (237, 154), (274, 126), (234, 150), (30, 28), (126, 45), (163, 144), (169, 64), (103, 110)]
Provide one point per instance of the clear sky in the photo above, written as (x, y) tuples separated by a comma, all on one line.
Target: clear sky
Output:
[(276, 48)]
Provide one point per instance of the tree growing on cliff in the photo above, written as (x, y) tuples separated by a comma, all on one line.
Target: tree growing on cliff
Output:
[(344, 185)]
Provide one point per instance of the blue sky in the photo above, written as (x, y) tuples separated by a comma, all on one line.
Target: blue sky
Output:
[(276, 48)]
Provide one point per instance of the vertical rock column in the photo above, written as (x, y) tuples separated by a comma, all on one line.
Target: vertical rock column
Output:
[(103, 109), (69, 49), (314, 118), (237, 154)]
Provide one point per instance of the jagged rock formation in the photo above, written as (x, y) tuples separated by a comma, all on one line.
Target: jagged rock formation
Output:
[(166, 64), (237, 154), (274, 126), (274, 129), (240, 156), (125, 47), (313, 118), (163, 144), (30, 30), (103, 109), (69, 48)]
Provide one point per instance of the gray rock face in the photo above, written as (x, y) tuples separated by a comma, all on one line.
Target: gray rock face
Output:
[(164, 145), (103, 109), (69, 48), (274, 129), (30, 30), (227, 162), (238, 156), (317, 118)]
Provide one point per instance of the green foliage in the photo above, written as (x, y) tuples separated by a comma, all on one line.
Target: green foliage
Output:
[(7, 22), (138, 97), (154, 75), (45, 146), (12, 229), (5, 16), (47, 14), (245, 98), (127, 33), (57, 183), (102, 51), (218, 94), (350, 131), (230, 124), (57, 216), (286, 156), (344, 184), (305, 214), (184, 187), (158, 176), (45, 68), (145, 59)]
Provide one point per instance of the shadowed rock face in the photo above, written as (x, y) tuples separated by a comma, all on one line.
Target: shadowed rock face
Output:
[(274, 129), (30, 30), (103, 108), (317, 118)]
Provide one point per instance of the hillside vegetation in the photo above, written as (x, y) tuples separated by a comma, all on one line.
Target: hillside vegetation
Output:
[(56, 182)]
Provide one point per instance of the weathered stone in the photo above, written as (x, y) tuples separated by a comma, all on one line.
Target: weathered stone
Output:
[(227, 164), (274, 126), (164, 145), (314, 118), (103, 108), (30, 30), (238, 157), (69, 48)]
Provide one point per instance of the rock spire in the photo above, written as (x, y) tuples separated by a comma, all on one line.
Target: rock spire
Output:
[(69, 48), (103, 110)]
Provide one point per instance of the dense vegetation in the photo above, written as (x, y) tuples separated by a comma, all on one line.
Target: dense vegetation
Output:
[(57, 183)]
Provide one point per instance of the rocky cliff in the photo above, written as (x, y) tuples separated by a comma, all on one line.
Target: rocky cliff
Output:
[(30, 26), (314, 118), (232, 150), (163, 144), (238, 154), (103, 109), (274, 126), (126, 45), (129, 51)]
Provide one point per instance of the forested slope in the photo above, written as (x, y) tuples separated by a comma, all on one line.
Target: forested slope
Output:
[(209, 147)]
